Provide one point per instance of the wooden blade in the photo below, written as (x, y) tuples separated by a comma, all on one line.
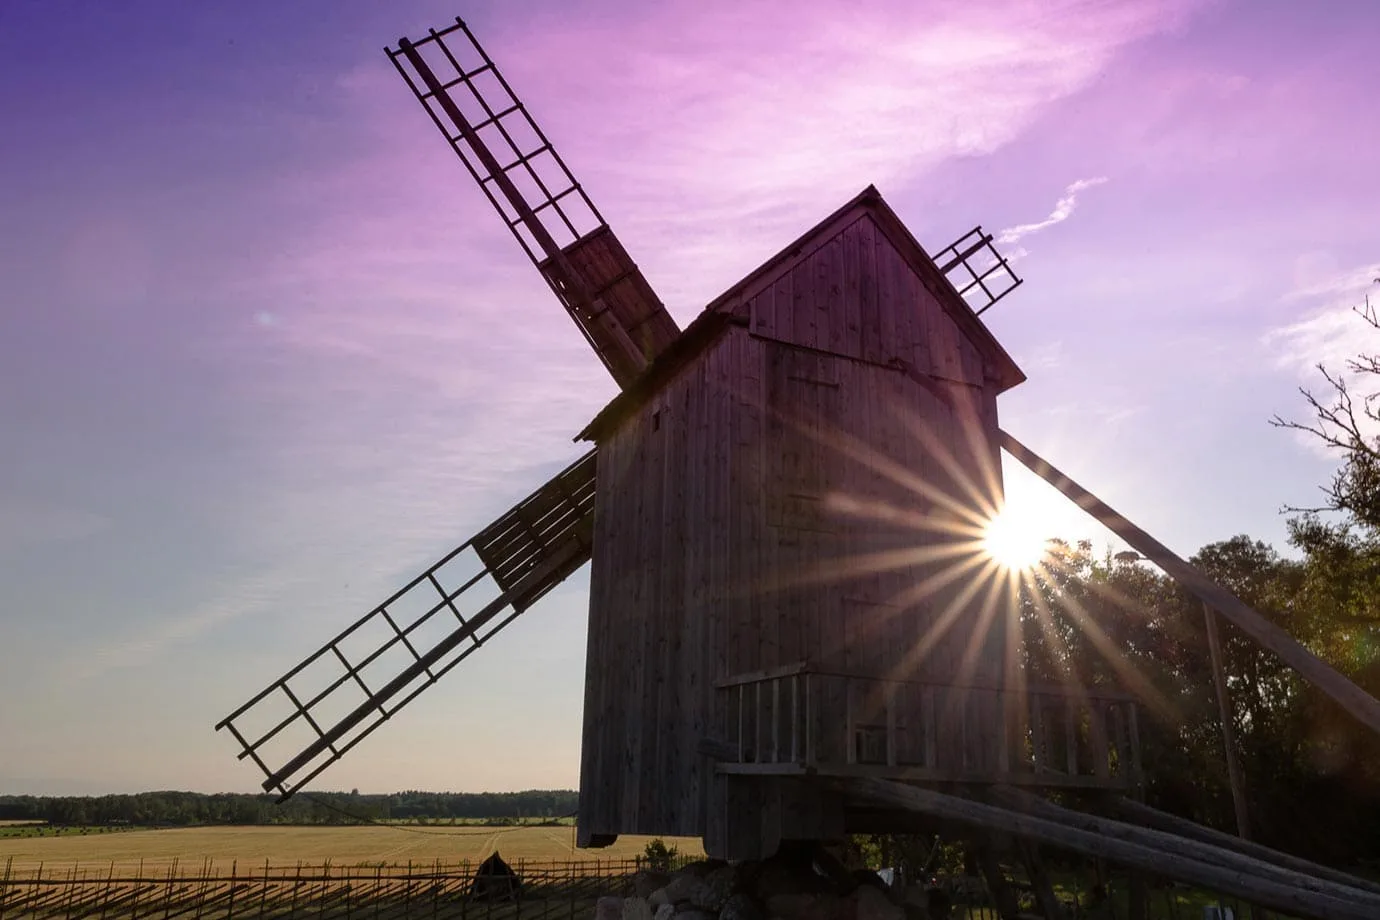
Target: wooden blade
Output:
[(538, 198), (312, 715)]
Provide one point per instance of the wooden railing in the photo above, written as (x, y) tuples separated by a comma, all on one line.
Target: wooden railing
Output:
[(801, 719)]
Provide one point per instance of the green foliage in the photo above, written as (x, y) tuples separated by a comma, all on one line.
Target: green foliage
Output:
[(658, 856), (1312, 774)]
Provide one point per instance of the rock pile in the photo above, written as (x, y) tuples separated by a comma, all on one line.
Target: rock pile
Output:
[(781, 888)]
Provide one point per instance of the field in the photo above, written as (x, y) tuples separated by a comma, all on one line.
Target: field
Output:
[(287, 846)]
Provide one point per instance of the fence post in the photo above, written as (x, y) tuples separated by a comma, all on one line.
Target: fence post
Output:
[(71, 893), (204, 887), (167, 898), (263, 891), (5, 887), (230, 905), (138, 887), (325, 882), (296, 884)]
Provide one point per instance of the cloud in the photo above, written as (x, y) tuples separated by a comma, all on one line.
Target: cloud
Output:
[(1346, 287), (730, 127), (1332, 334), (710, 133), (1063, 210), (233, 599), (1043, 357)]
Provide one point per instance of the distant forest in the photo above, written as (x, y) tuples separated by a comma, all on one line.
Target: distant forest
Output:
[(190, 808)]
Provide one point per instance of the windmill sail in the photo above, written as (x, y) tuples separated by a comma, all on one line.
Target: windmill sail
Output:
[(538, 198), (316, 712), (979, 273)]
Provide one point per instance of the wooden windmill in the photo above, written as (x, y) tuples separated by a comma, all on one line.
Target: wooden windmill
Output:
[(789, 603)]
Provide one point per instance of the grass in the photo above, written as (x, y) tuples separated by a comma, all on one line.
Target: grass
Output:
[(279, 845), (1171, 902)]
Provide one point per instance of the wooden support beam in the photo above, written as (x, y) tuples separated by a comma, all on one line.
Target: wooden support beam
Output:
[(1141, 851), (1143, 814), (1008, 906), (1224, 712), (1350, 697), (1137, 896), (1040, 882), (1205, 853)]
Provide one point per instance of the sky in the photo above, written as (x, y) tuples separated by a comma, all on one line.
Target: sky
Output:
[(265, 351)]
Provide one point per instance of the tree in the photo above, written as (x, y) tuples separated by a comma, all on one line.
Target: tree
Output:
[(1340, 423), (1341, 581)]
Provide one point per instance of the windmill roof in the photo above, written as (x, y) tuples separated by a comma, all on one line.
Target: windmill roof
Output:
[(730, 308)]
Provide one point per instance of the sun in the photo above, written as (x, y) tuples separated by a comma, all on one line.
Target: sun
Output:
[(1014, 540)]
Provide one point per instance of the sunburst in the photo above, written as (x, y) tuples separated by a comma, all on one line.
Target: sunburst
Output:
[(1015, 540), (987, 559)]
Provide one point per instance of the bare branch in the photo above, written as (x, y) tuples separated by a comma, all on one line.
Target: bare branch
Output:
[(1337, 424)]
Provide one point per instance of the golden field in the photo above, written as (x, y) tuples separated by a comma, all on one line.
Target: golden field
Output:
[(287, 846)]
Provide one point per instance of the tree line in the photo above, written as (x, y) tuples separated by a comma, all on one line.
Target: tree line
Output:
[(180, 809)]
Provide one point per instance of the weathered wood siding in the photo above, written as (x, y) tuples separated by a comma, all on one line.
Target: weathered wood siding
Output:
[(679, 488), (800, 491), (854, 294)]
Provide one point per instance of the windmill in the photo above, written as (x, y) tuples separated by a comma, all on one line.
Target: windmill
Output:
[(790, 610), (306, 720)]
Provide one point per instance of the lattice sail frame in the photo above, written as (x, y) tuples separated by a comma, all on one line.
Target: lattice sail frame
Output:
[(981, 275), (310, 717), (538, 198)]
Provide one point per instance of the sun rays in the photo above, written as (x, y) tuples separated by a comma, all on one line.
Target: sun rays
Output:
[(989, 570), (1015, 540)]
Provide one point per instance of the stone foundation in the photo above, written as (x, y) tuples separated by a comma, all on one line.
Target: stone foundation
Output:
[(781, 888)]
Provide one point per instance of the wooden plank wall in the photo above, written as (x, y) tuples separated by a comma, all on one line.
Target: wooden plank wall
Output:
[(854, 295), (720, 547), (679, 488)]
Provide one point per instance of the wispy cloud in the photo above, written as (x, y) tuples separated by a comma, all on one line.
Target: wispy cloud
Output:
[(706, 156), (714, 155), (1332, 332), (1331, 335), (1063, 210), (248, 596), (1043, 357)]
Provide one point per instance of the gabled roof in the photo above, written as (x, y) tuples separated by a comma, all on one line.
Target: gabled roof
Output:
[(730, 308)]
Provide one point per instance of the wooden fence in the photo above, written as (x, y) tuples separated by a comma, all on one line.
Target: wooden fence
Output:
[(550, 890)]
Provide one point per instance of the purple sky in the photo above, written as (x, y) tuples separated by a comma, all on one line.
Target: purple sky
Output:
[(265, 351)]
